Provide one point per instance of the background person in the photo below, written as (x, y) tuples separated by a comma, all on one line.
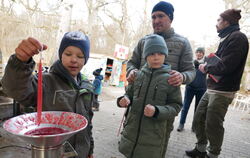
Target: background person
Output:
[(196, 88), (97, 83), (211, 111)]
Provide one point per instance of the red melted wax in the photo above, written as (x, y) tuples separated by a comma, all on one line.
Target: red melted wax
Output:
[(46, 131)]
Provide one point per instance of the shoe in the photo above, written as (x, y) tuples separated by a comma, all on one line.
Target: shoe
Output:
[(180, 127), (196, 153)]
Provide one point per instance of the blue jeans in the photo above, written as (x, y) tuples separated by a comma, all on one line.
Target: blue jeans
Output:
[(189, 95)]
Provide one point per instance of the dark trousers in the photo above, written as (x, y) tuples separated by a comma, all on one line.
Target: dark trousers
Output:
[(189, 95), (208, 121), (95, 101)]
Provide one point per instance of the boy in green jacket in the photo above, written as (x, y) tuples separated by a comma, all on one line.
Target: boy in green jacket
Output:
[(153, 103)]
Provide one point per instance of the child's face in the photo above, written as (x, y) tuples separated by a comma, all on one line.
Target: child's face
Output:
[(155, 60), (199, 55), (73, 60)]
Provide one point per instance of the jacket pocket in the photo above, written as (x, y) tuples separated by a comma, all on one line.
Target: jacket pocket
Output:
[(64, 100)]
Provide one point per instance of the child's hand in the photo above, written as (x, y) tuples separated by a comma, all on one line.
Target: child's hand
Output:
[(28, 48), (90, 156), (149, 110), (124, 102)]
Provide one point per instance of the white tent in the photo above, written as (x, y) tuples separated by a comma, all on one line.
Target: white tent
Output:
[(95, 61)]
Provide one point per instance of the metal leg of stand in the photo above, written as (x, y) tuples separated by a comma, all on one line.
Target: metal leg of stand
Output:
[(16, 108)]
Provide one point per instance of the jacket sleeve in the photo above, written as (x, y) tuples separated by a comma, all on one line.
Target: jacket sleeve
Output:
[(135, 60), (173, 105), (18, 81), (186, 63), (128, 93)]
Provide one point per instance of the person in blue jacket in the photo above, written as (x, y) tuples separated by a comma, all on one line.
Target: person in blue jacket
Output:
[(196, 88), (97, 88)]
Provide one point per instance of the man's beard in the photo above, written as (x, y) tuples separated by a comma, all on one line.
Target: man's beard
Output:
[(159, 33), (217, 29)]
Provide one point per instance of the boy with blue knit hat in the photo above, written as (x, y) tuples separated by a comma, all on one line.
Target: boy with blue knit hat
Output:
[(77, 39), (64, 88), (152, 104)]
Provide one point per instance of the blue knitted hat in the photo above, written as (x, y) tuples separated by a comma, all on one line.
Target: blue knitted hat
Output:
[(154, 44), (77, 39), (165, 7), (97, 72)]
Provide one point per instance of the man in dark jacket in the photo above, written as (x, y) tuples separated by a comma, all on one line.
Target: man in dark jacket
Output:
[(211, 111)]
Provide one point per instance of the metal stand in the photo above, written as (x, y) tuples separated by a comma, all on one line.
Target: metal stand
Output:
[(16, 108), (52, 152)]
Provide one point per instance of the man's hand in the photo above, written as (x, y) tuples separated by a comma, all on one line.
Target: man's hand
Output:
[(149, 110), (202, 68), (176, 78), (124, 102), (28, 48), (131, 76)]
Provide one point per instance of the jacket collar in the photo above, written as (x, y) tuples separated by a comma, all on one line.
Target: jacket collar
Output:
[(168, 33), (164, 69)]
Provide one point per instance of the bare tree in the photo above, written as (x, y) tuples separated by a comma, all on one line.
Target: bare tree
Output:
[(121, 30), (27, 18), (144, 27)]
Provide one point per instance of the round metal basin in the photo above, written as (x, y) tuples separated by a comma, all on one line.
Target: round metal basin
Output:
[(69, 122)]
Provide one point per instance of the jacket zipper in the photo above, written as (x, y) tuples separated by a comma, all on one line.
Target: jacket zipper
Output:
[(155, 91), (139, 90), (77, 95), (139, 128)]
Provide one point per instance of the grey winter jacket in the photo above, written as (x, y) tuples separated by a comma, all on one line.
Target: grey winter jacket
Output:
[(58, 95), (147, 137), (180, 55)]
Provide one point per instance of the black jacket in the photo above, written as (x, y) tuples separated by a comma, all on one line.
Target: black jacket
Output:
[(233, 53)]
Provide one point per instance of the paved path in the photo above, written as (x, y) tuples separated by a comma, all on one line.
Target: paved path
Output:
[(106, 123)]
